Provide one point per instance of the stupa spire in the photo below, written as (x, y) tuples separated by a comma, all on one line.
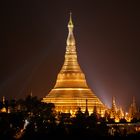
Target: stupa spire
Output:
[(3, 100), (114, 104), (70, 24), (70, 38), (134, 103)]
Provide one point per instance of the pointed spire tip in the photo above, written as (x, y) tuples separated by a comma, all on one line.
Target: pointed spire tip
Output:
[(70, 15), (70, 20)]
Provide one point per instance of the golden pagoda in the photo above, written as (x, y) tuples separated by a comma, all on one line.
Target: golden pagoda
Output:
[(71, 90)]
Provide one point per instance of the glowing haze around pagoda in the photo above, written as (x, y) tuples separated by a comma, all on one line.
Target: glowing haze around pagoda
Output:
[(71, 90)]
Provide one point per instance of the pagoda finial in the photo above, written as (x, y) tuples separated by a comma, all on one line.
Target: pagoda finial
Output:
[(134, 103), (134, 100), (31, 94), (113, 99), (114, 108), (70, 24), (70, 39), (3, 100)]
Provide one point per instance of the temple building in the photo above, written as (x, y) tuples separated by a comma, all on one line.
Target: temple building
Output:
[(71, 90), (113, 110), (116, 113), (4, 108), (133, 109)]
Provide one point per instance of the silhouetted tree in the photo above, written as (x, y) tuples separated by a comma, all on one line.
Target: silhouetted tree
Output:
[(123, 120)]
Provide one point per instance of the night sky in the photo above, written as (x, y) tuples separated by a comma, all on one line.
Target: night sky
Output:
[(33, 41)]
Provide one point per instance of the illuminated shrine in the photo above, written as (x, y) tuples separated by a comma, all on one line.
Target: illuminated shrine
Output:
[(71, 90)]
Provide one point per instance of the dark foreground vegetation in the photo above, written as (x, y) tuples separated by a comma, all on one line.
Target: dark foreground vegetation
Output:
[(32, 119)]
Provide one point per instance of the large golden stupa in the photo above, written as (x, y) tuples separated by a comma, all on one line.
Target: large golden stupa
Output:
[(71, 90)]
